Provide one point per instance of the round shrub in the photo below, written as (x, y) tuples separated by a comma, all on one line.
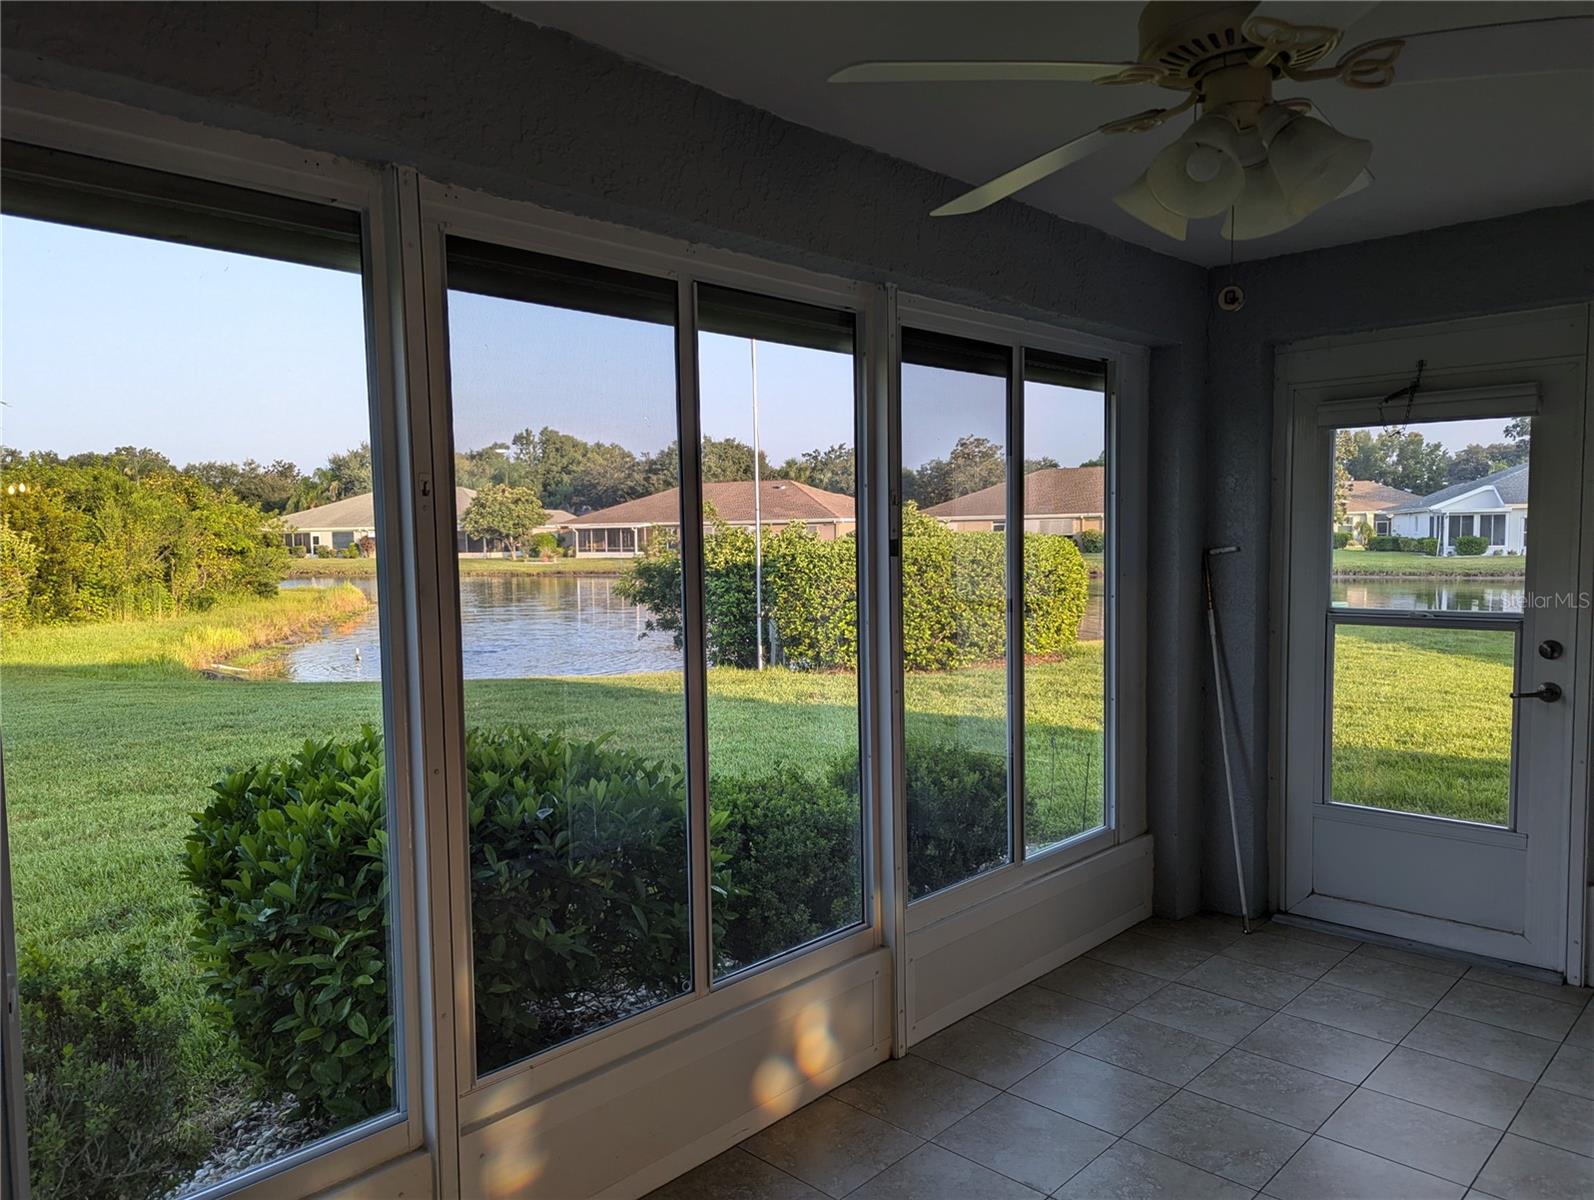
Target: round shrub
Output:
[(1471, 546), (1341, 538), (1091, 541), (1385, 542), (104, 1082)]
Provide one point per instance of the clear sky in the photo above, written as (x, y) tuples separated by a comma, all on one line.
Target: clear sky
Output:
[(112, 340)]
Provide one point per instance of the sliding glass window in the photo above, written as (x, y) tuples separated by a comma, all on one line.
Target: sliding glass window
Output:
[(192, 679), (568, 501), (1065, 614), (778, 387), (954, 603)]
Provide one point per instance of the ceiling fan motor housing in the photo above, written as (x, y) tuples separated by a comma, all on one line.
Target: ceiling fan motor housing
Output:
[(1184, 42)]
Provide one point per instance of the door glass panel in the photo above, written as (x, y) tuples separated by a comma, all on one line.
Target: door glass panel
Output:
[(1422, 720), (192, 698), (1431, 516), (777, 381), (566, 453), (954, 608), (1065, 540)]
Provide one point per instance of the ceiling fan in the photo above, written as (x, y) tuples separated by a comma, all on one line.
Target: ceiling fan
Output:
[(1265, 163)]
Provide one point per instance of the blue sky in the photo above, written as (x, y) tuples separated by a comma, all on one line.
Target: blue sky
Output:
[(112, 340)]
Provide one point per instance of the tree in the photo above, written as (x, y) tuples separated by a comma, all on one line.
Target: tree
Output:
[(974, 463), (500, 510), (1343, 448), (1397, 458), (830, 468), (1044, 463), (1099, 461)]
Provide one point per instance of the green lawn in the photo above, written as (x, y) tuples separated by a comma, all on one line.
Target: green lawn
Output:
[(1422, 721), (1377, 564)]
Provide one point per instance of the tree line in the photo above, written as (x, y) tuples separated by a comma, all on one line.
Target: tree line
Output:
[(1401, 458)]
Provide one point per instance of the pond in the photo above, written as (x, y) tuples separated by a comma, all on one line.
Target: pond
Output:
[(1446, 595), (521, 625)]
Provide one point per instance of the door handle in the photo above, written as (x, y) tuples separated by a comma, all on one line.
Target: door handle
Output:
[(1547, 692)]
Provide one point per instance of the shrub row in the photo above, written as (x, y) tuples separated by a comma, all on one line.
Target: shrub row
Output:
[(953, 595), (1406, 545), (578, 859), (1469, 546)]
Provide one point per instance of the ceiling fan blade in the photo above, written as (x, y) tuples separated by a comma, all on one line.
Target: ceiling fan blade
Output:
[(1539, 47), (930, 71), (1018, 178)]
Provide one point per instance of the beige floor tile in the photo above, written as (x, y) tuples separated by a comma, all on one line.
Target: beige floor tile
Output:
[(1337, 1053), (986, 1051), (1450, 1147), (1316, 937), (1360, 1012), (1238, 980), (1459, 1089), (1583, 1032), (1102, 983), (1391, 980), (931, 1173), (1130, 1172), (735, 1175), (1094, 1092), (1559, 992), (1208, 932), (1159, 1051), (1558, 1118), (1272, 1089), (1283, 952), (1149, 955), (1324, 1170), (1051, 1016), (1205, 1014), (1026, 1142), (1521, 1169), (1510, 1009), (915, 1094), (1572, 1070), (831, 1146), (1488, 1046), (1412, 958), (1216, 1137)]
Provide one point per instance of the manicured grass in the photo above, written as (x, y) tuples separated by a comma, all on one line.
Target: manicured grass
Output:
[(1378, 564), (1422, 721), (365, 568)]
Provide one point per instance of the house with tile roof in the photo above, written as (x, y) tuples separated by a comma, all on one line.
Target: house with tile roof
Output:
[(1056, 500), (1368, 503), (623, 530), (328, 528), (1494, 508)]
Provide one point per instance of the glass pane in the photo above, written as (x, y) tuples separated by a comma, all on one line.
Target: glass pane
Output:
[(1432, 516), (566, 440), (192, 705), (1065, 541), (780, 559), (1422, 721), (954, 608)]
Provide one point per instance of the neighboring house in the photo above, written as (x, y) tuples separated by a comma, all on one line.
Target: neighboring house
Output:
[(343, 523), (1056, 500), (1494, 508), (623, 530), (1368, 503)]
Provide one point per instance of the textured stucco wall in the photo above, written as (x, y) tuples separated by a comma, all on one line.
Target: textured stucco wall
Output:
[(473, 96), (1530, 260)]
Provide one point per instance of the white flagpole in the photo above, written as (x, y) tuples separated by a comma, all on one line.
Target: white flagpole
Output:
[(758, 520)]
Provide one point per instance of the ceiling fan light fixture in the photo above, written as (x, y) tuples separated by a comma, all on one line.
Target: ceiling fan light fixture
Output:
[(1200, 174), (1260, 210), (1139, 203), (1314, 163)]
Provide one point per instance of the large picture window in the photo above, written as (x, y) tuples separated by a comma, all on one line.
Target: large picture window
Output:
[(565, 428), (191, 680)]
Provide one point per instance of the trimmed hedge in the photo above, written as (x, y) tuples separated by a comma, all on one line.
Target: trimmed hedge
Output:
[(1469, 547), (1341, 538), (1091, 541), (953, 590), (579, 912)]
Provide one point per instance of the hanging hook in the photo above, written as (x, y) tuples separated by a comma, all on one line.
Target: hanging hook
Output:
[(1409, 392)]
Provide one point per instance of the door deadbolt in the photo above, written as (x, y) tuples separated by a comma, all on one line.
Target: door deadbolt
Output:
[(1550, 649)]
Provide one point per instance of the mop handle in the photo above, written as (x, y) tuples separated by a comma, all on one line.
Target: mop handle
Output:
[(1223, 728)]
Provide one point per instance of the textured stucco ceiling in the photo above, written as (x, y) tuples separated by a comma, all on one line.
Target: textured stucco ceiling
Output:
[(1444, 153)]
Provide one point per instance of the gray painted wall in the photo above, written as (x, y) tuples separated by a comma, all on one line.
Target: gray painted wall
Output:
[(470, 95), (1531, 260)]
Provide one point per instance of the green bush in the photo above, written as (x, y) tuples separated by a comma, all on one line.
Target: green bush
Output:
[(104, 1084), (1411, 545), (297, 551), (542, 544), (1384, 541), (1468, 547), (957, 813), (1091, 541), (953, 589), (1341, 538), (288, 865)]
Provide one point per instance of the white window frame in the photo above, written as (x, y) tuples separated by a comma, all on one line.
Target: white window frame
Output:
[(116, 133), (447, 210)]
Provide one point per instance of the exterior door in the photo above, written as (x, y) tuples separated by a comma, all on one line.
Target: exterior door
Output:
[(1432, 682)]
